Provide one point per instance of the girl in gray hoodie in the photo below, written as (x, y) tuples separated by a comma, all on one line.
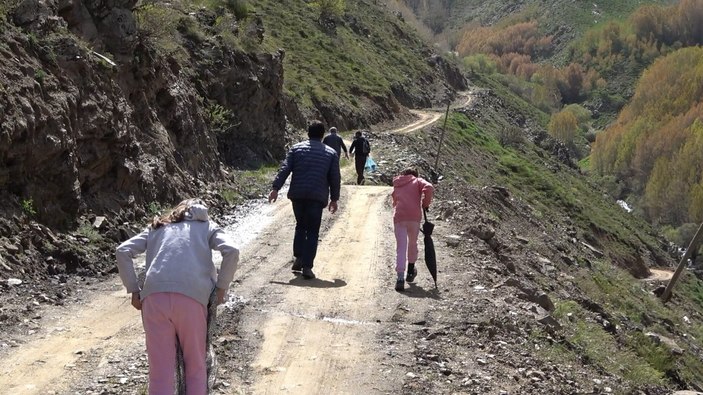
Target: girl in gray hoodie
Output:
[(180, 276)]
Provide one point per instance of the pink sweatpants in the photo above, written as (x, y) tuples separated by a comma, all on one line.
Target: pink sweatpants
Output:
[(166, 315), (406, 233)]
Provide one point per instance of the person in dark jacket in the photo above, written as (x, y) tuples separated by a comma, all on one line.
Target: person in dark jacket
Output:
[(336, 142), (361, 149), (315, 184)]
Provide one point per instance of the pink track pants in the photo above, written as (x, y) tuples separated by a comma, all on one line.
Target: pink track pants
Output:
[(406, 233), (166, 315)]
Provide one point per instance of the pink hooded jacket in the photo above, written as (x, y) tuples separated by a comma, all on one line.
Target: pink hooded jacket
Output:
[(408, 194)]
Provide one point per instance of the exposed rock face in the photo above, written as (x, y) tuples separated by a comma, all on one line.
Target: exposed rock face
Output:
[(250, 88), (80, 130), (454, 77), (94, 117), (107, 23)]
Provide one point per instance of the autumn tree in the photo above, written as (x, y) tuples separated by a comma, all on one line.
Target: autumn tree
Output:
[(563, 126), (655, 193), (571, 83), (521, 38), (656, 145), (695, 208), (649, 22)]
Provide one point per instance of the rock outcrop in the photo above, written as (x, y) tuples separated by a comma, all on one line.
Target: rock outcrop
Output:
[(121, 124)]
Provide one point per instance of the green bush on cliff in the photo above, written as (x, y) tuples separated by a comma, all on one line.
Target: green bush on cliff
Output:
[(28, 207), (240, 8), (160, 23), (329, 8), (6, 6)]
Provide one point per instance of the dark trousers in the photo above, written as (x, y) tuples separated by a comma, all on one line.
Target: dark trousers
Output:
[(308, 216), (360, 162)]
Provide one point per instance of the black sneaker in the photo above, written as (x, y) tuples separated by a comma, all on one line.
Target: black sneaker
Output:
[(412, 273), (297, 265), (400, 285), (308, 274)]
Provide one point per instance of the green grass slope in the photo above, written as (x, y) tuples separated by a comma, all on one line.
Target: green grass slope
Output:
[(352, 67), (363, 53), (609, 319)]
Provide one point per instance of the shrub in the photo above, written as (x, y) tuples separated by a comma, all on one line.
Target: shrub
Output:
[(330, 8), (153, 209), (156, 20), (39, 75), (89, 232), (219, 118), (510, 136), (28, 207), (159, 23), (240, 8)]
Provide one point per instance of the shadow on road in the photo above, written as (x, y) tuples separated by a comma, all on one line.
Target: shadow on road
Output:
[(299, 281), (416, 291)]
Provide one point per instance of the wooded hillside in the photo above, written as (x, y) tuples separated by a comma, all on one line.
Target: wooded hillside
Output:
[(609, 70), (655, 146)]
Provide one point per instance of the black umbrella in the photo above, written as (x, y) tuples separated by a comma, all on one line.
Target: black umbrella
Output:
[(430, 256)]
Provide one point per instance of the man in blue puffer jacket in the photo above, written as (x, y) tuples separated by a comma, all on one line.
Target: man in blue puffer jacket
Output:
[(315, 182)]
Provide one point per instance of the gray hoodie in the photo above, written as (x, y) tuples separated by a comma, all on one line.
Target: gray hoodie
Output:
[(179, 258)]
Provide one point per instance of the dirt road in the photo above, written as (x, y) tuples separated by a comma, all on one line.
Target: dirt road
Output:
[(50, 360), (424, 118), (314, 336), (660, 275), (318, 336), (300, 337), (427, 118)]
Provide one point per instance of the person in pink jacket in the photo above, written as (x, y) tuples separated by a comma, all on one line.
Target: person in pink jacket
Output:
[(410, 195)]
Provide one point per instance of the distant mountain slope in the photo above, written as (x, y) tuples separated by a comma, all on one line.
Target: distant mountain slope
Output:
[(656, 145), (601, 56), (356, 67), (547, 227), (564, 20)]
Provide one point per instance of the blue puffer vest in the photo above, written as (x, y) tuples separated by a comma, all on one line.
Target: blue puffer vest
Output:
[(315, 168)]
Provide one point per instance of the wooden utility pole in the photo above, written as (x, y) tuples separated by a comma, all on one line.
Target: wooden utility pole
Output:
[(692, 246), (441, 137)]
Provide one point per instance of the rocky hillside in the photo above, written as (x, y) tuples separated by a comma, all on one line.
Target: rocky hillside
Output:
[(94, 118), (533, 229), (110, 109), (563, 23), (117, 107)]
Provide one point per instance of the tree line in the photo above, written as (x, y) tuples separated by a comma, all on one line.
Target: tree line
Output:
[(655, 146), (510, 50)]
